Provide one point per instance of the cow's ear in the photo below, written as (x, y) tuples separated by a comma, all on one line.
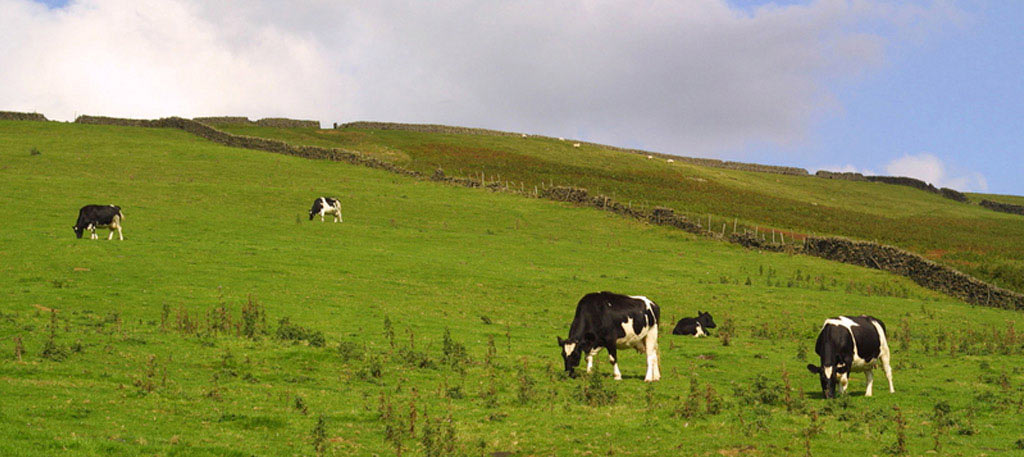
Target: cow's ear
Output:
[(561, 342), (813, 368)]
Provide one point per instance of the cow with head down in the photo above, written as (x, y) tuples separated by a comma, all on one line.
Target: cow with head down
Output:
[(850, 344), (92, 217), (611, 321)]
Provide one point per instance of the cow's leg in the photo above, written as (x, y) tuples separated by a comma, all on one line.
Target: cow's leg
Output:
[(111, 235), (885, 366), (120, 236), (651, 348), (871, 379), (844, 380), (321, 216), (590, 358), (93, 235), (613, 358)]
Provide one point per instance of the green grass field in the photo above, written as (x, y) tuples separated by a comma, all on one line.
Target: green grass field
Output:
[(973, 239), (171, 343)]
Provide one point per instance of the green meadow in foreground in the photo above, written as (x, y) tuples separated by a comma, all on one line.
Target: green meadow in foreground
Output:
[(227, 324), (970, 238)]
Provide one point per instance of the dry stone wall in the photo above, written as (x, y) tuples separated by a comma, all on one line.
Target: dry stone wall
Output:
[(1003, 207), (277, 122), (953, 195), (845, 175), (905, 181), (922, 271), (16, 116)]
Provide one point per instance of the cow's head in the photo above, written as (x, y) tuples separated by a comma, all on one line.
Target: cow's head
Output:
[(572, 348), (829, 377), (78, 230), (312, 212), (705, 319)]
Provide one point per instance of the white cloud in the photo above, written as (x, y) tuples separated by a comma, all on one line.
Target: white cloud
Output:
[(694, 77), (149, 58), (931, 169)]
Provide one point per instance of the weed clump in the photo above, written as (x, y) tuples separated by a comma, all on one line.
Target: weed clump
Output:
[(593, 392), (52, 350), (254, 319), (319, 436), (288, 331), (453, 353)]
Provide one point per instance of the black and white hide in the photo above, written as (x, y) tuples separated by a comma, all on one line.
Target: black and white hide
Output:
[(850, 344), (611, 321), (92, 217), (326, 205), (696, 326)]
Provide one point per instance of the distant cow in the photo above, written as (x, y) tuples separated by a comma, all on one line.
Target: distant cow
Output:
[(848, 344), (613, 321), (326, 205), (696, 326), (575, 145), (92, 217)]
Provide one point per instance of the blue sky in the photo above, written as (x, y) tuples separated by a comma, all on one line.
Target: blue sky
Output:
[(926, 88), (957, 94)]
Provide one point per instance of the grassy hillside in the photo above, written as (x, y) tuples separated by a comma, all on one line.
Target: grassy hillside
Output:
[(1008, 199), (972, 239), (171, 342)]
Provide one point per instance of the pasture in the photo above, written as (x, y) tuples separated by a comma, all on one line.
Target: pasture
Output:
[(227, 324), (970, 238)]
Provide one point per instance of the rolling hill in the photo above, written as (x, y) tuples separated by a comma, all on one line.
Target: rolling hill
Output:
[(968, 237), (228, 324)]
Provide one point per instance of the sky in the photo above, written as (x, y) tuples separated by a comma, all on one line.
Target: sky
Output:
[(932, 89)]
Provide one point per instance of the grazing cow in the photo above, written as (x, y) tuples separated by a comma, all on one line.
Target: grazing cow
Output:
[(613, 321), (848, 344), (670, 160), (696, 326), (92, 217), (326, 205)]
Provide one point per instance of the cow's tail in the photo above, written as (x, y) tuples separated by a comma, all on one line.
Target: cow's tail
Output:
[(120, 214)]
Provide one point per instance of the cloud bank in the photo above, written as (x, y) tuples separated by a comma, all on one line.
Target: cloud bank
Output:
[(929, 168), (692, 77)]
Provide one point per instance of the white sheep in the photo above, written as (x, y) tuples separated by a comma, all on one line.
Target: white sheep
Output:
[(575, 145), (670, 161)]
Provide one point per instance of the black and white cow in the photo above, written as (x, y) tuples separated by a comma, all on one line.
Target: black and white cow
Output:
[(850, 344), (612, 321), (326, 205), (696, 326), (92, 217)]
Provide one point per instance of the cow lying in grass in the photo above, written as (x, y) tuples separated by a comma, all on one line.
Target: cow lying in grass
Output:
[(696, 326)]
